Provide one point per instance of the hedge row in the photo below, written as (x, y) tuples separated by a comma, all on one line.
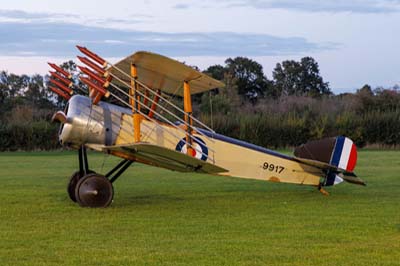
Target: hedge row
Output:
[(36, 135), (268, 130), (288, 130)]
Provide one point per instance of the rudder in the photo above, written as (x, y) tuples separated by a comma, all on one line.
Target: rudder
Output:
[(337, 151)]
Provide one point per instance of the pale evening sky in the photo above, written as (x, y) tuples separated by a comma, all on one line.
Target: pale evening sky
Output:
[(355, 42)]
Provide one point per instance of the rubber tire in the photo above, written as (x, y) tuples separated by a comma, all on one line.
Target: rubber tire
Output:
[(94, 191), (73, 180)]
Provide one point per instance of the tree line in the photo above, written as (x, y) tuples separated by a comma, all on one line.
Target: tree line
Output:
[(291, 107), (288, 78)]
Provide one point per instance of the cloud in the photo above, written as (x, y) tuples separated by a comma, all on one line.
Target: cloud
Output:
[(181, 6), (20, 16), (58, 39), (355, 6)]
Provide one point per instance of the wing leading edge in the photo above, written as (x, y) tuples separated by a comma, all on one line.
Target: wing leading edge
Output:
[(160, 72)]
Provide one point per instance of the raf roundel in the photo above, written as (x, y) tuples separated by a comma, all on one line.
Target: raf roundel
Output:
[(200, 148)]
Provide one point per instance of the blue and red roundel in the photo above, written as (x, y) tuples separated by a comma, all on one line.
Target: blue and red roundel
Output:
[(200, 148), (344, 155)]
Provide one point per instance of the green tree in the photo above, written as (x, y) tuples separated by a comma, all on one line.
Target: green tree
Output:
[(13, 84), (37, 93), (216, 72), (4, 90), (249, 76), (365, 96), (299, 78), (12, 88)]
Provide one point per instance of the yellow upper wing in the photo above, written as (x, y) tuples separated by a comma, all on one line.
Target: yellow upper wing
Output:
[(160, 72)]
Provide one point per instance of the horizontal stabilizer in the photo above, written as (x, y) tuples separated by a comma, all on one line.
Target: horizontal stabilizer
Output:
[(354, 180), (323, 166), (337, 157)]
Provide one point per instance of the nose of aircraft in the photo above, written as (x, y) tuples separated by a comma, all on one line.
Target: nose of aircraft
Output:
[(85, 123), (61, 117), (81, 123)]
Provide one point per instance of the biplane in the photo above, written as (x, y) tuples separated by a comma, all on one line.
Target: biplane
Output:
[(147, 127)]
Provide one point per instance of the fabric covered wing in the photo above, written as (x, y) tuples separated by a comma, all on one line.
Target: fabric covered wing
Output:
[(160, 72), (166, 158)]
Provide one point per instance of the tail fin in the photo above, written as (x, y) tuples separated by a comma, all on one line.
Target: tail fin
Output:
[(339, 151), (337, 157)]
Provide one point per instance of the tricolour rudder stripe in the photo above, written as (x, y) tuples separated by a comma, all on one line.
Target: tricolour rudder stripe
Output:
[(352, 159), (344, 155), (344, 158), (337, 152)]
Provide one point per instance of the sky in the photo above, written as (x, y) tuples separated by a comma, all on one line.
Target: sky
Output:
[(355, 42)]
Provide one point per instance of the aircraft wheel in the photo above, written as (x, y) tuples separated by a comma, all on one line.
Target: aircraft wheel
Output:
[(94, 190), (73, 180)]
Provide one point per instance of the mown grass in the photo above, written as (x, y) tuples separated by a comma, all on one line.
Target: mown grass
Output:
[(160, 217)]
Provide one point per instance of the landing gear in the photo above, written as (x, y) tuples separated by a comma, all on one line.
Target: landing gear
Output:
[(83, 170), (90, 189), (72, 184), (95, 191), (322, 190)]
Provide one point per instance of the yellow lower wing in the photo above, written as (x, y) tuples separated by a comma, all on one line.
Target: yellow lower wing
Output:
[(167, 158)]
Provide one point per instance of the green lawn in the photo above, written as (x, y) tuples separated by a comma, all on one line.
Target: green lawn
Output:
[(160, 217)]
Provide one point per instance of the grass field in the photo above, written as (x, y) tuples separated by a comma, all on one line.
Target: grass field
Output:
[(160, 217)]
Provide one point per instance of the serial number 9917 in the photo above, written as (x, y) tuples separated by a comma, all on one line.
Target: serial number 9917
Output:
[(273, 168)]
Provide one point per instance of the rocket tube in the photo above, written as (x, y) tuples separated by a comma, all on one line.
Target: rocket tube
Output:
[(94, 76), (93, 85), (93, 65), (60, 93), (62, 71), (67, 82), (92, 55), (61, 86)]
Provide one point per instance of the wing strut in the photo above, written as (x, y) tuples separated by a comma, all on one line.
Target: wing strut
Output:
[(135, 105), (188, 117)]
